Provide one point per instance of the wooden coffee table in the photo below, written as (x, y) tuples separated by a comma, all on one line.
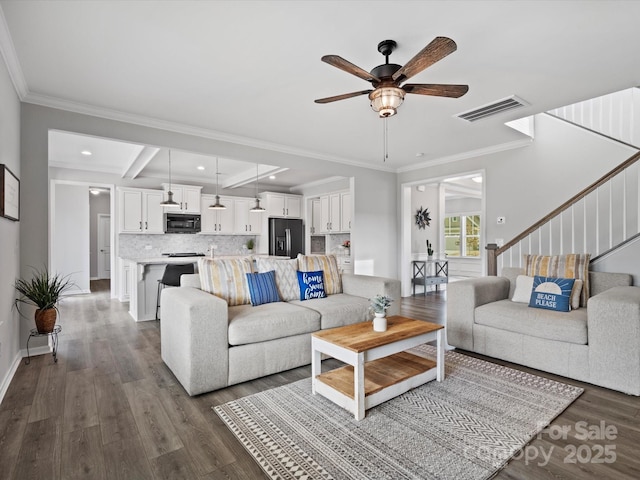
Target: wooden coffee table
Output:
[(378, 367)]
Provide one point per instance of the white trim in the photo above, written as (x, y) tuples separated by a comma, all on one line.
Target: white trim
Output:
[(470, 154), (8, 50), (6, 381)]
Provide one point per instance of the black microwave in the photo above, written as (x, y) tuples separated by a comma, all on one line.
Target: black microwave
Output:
[(181, 223)]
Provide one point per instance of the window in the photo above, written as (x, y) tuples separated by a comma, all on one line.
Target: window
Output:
[(462, 235)]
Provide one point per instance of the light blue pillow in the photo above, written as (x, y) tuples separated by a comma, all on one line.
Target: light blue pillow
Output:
[(552, 293), (262, 288), (311, 285)]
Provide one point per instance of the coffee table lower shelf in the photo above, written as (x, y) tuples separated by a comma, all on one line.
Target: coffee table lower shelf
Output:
[(384, 379)]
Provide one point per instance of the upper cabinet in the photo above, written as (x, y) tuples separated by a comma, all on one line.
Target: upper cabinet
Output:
[(283, 205), (316, 220), (345, 211), (247, 222), (330, 213), (188, 196), (139, 211)]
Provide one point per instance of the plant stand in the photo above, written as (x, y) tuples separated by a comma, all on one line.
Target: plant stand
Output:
[(54, 340)]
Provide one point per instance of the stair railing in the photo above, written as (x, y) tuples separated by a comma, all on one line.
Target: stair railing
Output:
[(569, 228)]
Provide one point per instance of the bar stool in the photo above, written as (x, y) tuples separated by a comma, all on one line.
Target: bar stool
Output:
[(171, 278)]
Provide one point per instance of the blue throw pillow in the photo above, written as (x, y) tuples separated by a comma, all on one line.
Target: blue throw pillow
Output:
[(311, 285), (262, 288), (552, 293)]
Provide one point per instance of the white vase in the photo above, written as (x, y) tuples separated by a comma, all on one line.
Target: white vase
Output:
[(379, 322)]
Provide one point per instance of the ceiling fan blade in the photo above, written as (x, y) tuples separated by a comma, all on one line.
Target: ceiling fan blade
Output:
[(437, 90), (349, 67), (439, 48), (344, 96)]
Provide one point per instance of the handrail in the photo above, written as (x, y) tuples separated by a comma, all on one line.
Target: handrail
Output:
[(493, 251)]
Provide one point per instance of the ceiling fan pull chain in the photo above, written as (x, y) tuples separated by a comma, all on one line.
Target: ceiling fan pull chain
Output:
[(385, 139)]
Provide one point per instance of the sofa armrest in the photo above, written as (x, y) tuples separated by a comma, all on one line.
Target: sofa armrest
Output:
[(194, 338), (462, 299), (613, 330), (368, 286)]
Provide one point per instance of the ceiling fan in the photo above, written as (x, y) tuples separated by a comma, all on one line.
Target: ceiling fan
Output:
[(388, 93)]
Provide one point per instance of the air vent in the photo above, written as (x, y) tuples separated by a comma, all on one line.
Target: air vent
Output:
[(494, 108)]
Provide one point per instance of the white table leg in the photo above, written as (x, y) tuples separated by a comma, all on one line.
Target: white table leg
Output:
[(358, 391), (316, 367), (440, 356)]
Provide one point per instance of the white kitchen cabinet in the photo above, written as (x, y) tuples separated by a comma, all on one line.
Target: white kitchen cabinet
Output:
[(283, 205), (345, 211), (217, 221), (125, 280), (330, 213), (247, 222), (316, 220), (188, 196), (139, 211)]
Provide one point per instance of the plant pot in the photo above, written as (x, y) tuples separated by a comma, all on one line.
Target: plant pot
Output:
[(45, 320), (380, 322)]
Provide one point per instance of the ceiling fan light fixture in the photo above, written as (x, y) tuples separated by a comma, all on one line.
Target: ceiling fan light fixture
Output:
[(386, 100)]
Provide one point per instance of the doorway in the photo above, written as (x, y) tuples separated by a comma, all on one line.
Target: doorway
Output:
[(103, 250)]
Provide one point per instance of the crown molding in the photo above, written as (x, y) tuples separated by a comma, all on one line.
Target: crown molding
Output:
[(470, 154), (8, 50), (91, 110)]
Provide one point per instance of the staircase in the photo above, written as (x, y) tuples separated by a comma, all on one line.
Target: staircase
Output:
[(605, 215)]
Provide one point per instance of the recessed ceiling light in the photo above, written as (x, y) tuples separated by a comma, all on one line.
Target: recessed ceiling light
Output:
[(272, 177), (94, 191), (200, 167), (420, 154), (86, 152)]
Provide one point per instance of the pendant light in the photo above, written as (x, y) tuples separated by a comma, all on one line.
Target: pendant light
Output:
[(257, 208), (169, 203), (217, 205)]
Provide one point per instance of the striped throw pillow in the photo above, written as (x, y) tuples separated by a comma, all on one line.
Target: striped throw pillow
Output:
[(571, 265), (262, 287), (226, 279), (328, 264)]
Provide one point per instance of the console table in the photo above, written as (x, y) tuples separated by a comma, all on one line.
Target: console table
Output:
[(429, 272)]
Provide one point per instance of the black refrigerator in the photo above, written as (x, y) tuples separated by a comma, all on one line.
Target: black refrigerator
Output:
[(286, 237)]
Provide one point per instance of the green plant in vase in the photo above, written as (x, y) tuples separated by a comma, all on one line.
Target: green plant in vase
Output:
[(42, 291), (250, 244), (429, 249)]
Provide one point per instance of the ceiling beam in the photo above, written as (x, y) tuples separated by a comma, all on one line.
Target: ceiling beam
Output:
[(138, 163), (249, 175)]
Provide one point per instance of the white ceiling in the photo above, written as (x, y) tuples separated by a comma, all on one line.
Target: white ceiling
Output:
[(249, 71)]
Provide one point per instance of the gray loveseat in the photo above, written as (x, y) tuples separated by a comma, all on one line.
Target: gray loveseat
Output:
[(599, 344), (209, 345)]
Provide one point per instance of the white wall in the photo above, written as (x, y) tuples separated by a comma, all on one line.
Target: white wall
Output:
[(9, 234), (429, 199), (70, 234)]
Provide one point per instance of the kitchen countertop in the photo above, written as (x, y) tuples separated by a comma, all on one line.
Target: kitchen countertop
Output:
[(174, 260)]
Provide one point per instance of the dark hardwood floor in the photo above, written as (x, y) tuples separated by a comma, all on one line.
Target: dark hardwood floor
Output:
[(111, 409)]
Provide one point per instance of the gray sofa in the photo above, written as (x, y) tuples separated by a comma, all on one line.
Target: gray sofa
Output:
[(208, 345), (599, 344)]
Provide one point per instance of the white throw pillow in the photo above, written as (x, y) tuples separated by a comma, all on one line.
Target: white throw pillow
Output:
[(286, 276), (524, 286)]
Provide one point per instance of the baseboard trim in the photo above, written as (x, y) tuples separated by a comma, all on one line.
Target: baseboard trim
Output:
[(6, 381), (43, 350)]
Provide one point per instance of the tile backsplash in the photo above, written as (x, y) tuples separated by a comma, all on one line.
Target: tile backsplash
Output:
[(135, 246)]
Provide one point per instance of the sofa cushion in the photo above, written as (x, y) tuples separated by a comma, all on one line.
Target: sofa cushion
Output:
[(262, 287), (286, 276), (338, 310), (515, 317), (571, 265), (311, 285), (328, 264), (249, 324), (226, 279)]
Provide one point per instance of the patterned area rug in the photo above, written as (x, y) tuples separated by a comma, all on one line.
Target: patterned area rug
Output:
[(466, 427)]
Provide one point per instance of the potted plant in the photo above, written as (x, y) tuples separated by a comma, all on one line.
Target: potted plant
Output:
[(43, 291), (250, 244), (429, 250), (379, 305)]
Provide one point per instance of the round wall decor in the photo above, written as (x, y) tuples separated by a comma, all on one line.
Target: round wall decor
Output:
[(422, 218)]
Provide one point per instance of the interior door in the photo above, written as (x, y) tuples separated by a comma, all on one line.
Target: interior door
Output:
[(104, 246)]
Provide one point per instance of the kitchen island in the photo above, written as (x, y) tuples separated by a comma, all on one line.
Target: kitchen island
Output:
[(139, 282)]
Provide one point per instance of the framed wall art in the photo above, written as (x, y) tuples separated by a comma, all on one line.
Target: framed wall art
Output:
[(9, 194)]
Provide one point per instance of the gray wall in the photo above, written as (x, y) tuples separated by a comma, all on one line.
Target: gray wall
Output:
[(10, 234), (429, 199)]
